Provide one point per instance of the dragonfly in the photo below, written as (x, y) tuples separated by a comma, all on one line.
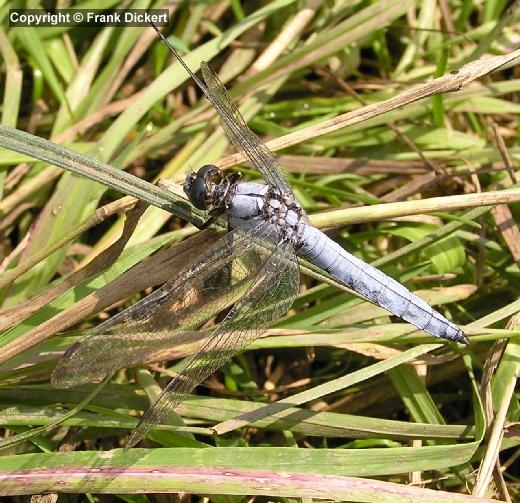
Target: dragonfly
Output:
[(250, 276)]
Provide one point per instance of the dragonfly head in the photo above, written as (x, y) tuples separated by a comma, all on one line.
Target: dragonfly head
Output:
[(205, 188)]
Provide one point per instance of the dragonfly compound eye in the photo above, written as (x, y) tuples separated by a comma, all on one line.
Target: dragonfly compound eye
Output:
[(188, 182), (210, 173), (200, 186), (196, 189)]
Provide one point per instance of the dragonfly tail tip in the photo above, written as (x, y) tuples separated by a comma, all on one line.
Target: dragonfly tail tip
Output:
[(463, 338), (460, 337)]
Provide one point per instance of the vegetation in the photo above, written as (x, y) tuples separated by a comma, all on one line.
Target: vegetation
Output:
[(420, 183)]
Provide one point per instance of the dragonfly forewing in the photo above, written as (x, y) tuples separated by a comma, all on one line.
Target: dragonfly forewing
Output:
[(242, 138), (162, 319)]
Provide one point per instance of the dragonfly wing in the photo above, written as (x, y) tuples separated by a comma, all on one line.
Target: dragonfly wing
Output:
[(242, 138), (272, 291), (162, 319), (234, 124)]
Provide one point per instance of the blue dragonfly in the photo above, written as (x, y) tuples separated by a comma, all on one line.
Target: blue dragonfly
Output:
[(251, 274)]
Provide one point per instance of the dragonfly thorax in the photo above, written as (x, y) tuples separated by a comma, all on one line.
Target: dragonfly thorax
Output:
[(208, 188), (284, 213)]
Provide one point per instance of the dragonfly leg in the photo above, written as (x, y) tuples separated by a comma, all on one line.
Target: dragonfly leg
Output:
[(213, 215)]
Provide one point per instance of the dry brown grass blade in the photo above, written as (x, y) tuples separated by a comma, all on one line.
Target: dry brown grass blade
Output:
[(495, 432), (414, 186), (414, 207), (509, 230), (502, 214), (193, 340), (317, 165), (376, 351), (452, 82)]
